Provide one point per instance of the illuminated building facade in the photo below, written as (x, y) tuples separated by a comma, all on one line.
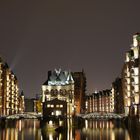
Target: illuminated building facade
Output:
[(79, 91), (131, 78), (9, 91), (58, 94), (102, 101)]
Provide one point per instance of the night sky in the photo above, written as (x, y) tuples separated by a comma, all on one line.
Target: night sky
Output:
[(37, 36)]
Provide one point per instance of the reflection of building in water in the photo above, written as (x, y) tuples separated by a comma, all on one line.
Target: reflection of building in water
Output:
[(21, 130), (9, 134), (49, 130), (102, 101), (95, 130), (9, 91), (103, 130), (58, 94)]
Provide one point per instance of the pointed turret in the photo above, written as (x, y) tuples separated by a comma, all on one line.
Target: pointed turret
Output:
[(22, 93), (70, 78)]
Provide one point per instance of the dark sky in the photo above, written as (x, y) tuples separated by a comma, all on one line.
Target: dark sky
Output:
[(37, 36)]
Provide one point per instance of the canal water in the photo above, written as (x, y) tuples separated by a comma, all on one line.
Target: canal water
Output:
[(90, 130)]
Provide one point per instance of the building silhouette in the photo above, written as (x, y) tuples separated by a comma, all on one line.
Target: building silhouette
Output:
[(117, 91), (79, 91)]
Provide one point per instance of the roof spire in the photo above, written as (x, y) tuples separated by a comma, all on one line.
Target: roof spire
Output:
[(22, 93)]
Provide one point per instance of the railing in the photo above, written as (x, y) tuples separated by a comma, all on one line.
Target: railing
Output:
[(101, 116), (28, 115)]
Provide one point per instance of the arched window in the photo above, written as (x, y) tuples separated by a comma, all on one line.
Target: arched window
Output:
[(64, 92), (61, 92), (52, 92)]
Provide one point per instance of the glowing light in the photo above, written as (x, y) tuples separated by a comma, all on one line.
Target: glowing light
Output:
[(135, 42), (136, 52), (128, 102), (86, 124), (128, 87), (58, 112), (128, 94), (43, 88), (136, 79), (60, 123), (127, 57), (136, 71), (50, 137), (136, 88), (112, 135), (50, 122), (61, 106), (128, 80), (137, 99), (20, 127)]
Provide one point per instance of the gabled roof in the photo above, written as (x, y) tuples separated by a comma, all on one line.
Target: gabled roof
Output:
[(59, 77), (45, 83)]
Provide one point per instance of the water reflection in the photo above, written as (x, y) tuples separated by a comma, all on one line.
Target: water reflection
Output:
[(62, 133), (104, 130), (21, 130), (91, 130)]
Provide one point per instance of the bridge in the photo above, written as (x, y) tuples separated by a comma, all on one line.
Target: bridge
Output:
[(95, 115), (98, 115), (26, 115)]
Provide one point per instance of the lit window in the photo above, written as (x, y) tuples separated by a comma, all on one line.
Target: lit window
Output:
[(128, 74), (128, 87), (52, 106), (137, 99), (136, 80), (58, 112), (136, 52), (128, 81), (127, 57), (61, 106), (136, 88), (136, 71), (135, 42), (50, 122)]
